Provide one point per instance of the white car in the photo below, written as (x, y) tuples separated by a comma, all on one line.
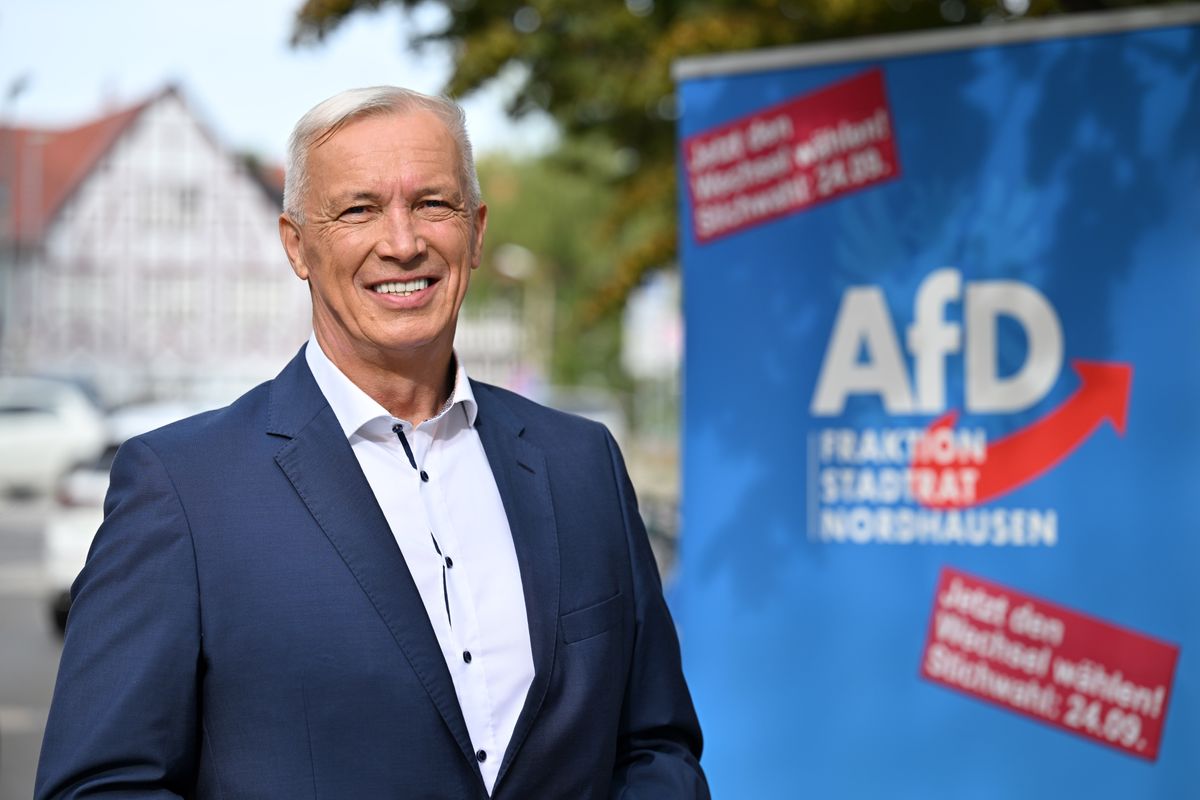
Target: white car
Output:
[(46, 428), (78, 507)]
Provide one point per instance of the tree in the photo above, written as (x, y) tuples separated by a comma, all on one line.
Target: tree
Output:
[(555, 211), (602, 71)]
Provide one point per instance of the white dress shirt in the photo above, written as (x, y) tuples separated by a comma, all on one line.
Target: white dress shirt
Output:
[(447, 517)]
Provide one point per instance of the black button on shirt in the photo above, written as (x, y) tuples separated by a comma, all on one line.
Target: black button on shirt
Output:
[(467, 656), (481, 755)]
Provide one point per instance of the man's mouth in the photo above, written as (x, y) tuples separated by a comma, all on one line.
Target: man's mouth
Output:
[(401, 288)]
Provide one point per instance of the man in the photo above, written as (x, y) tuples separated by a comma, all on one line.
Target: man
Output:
[(370, 577)]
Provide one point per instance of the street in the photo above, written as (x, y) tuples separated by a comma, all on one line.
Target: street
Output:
[(29, 647)]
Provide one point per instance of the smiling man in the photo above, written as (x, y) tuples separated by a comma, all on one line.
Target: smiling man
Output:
[(373, 577), (386, 233)]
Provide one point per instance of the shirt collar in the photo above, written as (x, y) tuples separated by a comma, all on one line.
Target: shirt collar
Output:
[(354, 408)]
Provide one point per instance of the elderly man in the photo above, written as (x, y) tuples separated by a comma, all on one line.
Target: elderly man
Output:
[(372, 577)]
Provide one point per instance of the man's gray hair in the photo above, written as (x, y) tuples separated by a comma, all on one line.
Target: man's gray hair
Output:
[(329, 116)]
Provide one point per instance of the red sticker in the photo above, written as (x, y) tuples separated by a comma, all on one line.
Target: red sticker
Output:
[(790, 156), (1074, 671)]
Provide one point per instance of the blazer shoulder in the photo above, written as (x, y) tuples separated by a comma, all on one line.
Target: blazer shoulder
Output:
[(282, 406), (535, 418), (217, 428)]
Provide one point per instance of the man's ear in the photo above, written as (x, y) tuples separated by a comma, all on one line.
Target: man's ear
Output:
[(289, 235), (480, 227)]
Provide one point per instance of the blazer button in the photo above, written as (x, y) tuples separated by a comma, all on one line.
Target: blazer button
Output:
[(481, 755), (467, 658)]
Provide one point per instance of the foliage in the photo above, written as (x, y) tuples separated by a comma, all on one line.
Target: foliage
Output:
[(555, 208), (602, 71)]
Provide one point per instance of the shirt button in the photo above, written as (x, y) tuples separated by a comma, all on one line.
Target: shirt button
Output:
[(481, 755), (449, 562), (425, 476), (467, 658)]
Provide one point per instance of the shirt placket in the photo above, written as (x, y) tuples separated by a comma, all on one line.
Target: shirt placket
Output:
[(423, 563), (462, 645)]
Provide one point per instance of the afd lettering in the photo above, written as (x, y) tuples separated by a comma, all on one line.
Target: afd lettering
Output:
[(864, 325)]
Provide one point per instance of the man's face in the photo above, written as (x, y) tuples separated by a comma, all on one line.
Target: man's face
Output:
[(388, 243)]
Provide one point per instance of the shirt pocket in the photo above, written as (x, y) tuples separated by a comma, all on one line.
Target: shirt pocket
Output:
[(593, 620)]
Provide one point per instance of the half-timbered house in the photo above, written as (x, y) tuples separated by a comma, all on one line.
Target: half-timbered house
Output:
[(141, 256)]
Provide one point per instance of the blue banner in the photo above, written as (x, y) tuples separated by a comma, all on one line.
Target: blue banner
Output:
[(940, 409)]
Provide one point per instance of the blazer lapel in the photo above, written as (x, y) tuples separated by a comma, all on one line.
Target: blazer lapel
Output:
[(319, 462), (520, 471)]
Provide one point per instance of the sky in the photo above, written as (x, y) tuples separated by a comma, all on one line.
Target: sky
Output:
[(232, 61)]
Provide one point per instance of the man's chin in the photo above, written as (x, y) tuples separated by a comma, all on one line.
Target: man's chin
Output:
[(404, 348)]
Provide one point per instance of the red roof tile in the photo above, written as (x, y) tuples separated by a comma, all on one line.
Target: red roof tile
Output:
[(41, 168), (273, 175)]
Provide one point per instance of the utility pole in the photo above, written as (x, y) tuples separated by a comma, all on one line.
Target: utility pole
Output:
[(10, 196)]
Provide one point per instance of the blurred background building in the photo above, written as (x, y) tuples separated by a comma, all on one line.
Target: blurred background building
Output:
[(140, 258)]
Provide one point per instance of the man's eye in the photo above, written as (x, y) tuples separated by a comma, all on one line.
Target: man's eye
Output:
[(435, 209), (354, 211)]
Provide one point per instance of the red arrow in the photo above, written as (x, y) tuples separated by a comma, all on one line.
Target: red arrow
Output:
[(1024, 455)]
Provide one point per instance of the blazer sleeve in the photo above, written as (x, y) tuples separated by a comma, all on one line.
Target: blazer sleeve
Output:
[(124, 718), (658, 749)]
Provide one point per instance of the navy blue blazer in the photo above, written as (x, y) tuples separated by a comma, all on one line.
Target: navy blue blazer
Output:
[(246, 627)]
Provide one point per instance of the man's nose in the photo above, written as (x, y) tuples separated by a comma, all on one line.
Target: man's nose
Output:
[(399, 238)]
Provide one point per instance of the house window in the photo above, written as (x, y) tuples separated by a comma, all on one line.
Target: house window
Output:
[(189, 204)]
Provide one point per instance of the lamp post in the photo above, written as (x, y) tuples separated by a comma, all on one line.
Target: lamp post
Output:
[(522, 266), (10, 167)]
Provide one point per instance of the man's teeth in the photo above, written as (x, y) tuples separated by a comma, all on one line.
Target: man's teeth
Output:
[(403, 288)]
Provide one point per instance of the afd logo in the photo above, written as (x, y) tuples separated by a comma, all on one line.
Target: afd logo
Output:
[(864, 357), (864, 325)]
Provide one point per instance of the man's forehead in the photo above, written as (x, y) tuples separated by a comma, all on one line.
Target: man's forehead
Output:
[(419, 125), (346, 161)]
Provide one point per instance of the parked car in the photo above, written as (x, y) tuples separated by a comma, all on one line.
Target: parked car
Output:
[(46, 428), (78, 507)]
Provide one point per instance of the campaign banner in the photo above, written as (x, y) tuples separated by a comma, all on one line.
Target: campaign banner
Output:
[(1051, 663), (785, 158), (940, 291)]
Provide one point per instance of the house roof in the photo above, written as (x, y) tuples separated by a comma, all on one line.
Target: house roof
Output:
[(40, 168), (269, 177)]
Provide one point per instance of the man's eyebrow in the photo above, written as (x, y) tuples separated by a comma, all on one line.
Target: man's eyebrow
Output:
[(355, 195)]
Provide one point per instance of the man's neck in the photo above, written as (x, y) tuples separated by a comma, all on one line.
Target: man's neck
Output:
[(413, 388)]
